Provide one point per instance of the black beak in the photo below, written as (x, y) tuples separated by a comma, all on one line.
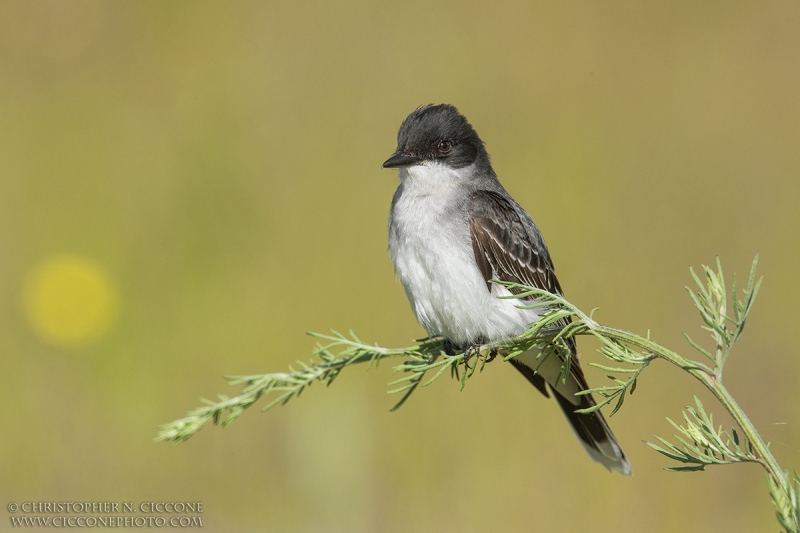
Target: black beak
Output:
[(400, 159)]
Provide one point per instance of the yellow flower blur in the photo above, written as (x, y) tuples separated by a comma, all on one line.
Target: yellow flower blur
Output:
[(69, 300)]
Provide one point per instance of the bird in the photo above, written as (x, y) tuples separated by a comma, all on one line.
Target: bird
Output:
[(453, 228)]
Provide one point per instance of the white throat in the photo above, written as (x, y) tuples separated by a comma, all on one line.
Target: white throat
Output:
[(432, 177)]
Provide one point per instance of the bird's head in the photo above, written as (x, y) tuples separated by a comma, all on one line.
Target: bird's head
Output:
[(437, 135)]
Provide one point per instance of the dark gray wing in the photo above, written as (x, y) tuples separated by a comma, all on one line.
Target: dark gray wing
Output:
[(507, 244), (509, 247)]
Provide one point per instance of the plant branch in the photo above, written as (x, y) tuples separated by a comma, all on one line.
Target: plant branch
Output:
[(700, 443)]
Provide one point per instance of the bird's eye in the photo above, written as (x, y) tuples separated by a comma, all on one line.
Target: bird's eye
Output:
[(444, 146)]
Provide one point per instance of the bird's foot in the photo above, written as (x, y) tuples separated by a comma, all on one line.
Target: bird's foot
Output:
[(474, 349)]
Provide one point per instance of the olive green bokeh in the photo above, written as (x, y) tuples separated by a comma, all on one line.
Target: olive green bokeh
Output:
[(221, 161)]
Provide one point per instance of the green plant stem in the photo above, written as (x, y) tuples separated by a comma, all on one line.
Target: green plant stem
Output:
[(713, 383), (761, 448), (287, 384)]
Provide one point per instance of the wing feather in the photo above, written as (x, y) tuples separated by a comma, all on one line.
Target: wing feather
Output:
[(508, 246)]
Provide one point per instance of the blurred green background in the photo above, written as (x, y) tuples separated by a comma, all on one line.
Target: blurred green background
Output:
[(211, 172)]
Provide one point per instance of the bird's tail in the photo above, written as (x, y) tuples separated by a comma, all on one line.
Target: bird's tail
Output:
[(591, 428), (594, 434)]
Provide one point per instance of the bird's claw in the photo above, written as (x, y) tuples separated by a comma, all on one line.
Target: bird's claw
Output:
[(471, 351), (474, 349)]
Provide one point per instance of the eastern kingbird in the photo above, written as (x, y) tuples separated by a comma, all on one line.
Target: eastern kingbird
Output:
[(452, 229)]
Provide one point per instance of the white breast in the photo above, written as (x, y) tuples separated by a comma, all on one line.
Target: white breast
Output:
[(431, 249)]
